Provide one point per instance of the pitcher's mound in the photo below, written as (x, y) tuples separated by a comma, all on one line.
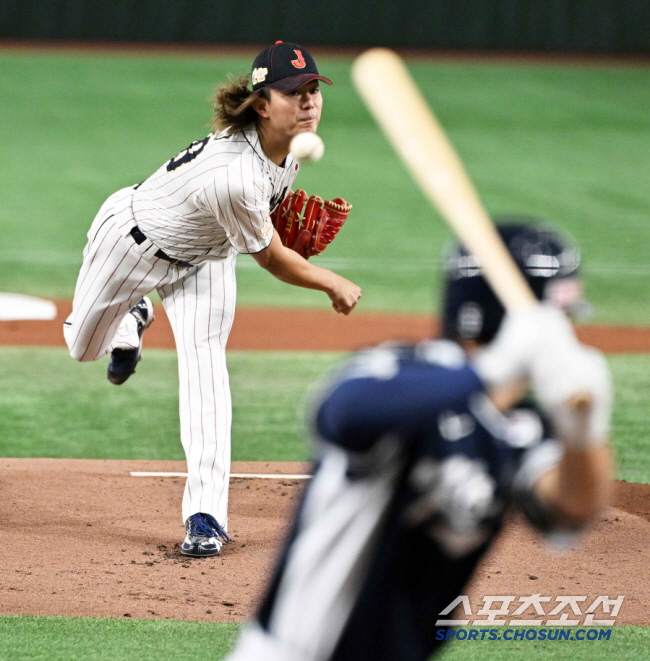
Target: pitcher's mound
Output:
[(83, 537)]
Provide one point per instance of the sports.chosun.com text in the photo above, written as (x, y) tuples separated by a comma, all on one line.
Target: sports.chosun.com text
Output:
[(485, 633)]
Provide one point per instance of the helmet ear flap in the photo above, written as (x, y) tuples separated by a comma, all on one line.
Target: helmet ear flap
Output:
[(469, 320), (471, 311)]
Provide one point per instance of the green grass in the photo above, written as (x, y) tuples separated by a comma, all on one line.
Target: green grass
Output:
[(626, 643), (104, 639), (631, 416), (567, 143), (51, 406), (71, 639)]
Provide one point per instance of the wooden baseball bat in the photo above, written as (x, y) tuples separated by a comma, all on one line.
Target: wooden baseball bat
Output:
[(389, 91)]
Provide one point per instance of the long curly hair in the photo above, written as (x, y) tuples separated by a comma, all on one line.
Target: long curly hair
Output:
[(233, 105)]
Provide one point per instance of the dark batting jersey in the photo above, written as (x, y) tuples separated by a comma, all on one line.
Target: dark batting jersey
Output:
[(416, 468)]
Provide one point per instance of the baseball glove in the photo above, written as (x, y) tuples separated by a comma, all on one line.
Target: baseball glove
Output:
[(309, 233)]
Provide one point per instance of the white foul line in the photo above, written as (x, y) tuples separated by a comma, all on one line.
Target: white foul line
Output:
[(255, 476)]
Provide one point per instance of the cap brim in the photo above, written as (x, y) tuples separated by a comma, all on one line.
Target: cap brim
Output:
[(291, 83)]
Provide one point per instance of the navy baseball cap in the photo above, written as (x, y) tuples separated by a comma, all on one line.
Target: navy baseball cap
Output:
[(284, 67)]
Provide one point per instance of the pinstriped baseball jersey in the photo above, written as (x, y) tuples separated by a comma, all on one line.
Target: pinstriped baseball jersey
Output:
[(178, 233), (213, 198), (203, 206)]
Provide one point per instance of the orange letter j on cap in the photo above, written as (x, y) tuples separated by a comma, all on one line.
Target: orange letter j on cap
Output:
[(300, 62)]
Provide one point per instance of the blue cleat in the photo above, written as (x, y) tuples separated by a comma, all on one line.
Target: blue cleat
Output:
[(205, 536)]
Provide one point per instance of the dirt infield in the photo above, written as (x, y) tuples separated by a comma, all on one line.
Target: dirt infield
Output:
[(110, 547), (315, 330)]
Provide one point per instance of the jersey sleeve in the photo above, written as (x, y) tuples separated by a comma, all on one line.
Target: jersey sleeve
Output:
[(386, 396), (239, 199)]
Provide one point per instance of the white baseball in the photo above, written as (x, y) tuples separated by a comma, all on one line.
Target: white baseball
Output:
[(307, 147)]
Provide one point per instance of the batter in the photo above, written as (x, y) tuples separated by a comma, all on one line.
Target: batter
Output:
[(420, 453)]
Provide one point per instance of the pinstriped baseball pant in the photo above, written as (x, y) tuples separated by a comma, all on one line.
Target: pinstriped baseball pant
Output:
[(200, 303)]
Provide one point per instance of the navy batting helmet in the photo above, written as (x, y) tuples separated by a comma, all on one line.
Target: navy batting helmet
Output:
[(548, 260)]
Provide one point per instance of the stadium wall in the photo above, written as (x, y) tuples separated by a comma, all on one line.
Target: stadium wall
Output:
[(560, 26)]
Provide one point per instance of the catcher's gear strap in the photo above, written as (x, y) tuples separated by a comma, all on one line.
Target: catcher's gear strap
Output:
[(309, 233)]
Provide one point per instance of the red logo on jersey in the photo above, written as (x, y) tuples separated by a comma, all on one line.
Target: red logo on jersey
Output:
[(300, 62)]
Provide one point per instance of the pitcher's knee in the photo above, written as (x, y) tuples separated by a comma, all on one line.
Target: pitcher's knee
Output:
[(78, 350), (80, 354)]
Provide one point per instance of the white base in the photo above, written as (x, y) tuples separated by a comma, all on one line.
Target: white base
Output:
[(14, 307)]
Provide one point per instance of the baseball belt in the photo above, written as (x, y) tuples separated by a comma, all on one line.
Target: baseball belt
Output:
[(139, 238)]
